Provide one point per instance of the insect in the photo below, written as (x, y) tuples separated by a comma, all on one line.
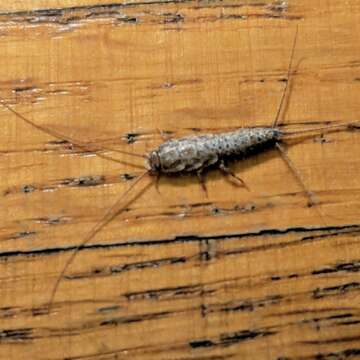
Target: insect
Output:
[(193, 154)]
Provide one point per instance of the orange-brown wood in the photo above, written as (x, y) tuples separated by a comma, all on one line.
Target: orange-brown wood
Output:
[(178, 275)]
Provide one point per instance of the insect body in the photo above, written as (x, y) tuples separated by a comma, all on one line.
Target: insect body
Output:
[(195, 153)]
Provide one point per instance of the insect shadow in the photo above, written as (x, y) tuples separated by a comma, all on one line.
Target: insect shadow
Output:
[(193, 155)]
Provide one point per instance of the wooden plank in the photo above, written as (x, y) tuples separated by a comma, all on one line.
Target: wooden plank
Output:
[(178, 275)]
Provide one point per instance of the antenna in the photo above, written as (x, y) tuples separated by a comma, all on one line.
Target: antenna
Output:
[(288, 80), (110, 215), (60, 136)]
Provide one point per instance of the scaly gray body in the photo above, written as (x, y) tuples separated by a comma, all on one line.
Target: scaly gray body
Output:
[(194, 153)]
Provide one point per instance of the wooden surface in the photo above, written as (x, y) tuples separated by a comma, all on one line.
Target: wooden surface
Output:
[(236, 275)]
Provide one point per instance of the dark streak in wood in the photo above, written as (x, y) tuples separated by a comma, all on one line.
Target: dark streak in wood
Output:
[(245, 305), (16, 335), (108, 309), (313, 311), (348, 322), (54, 220), (27, 189), (173, 18), (229, 339), (320, 322), (335, 290), (351, 266), (336, 340), (20, 235), (22, 89), (119, 269), (345, 354), (134, 318), (328, 231), (127, 176), (351, 353), (167, 293), (130, 138), (83, 181), (76, 14)]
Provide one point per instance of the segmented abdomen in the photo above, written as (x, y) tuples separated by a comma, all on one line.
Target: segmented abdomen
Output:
[(197, 152)]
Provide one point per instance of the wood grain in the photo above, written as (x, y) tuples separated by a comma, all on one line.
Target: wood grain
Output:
[(236, 275)]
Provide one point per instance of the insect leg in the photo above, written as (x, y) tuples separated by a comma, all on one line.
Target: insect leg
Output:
[(201, 177), (157, 180), (285, 157), (234, 178), (311, 196), (164, 135)]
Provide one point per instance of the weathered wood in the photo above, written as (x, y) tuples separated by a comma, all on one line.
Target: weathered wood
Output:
[(178, 275)]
